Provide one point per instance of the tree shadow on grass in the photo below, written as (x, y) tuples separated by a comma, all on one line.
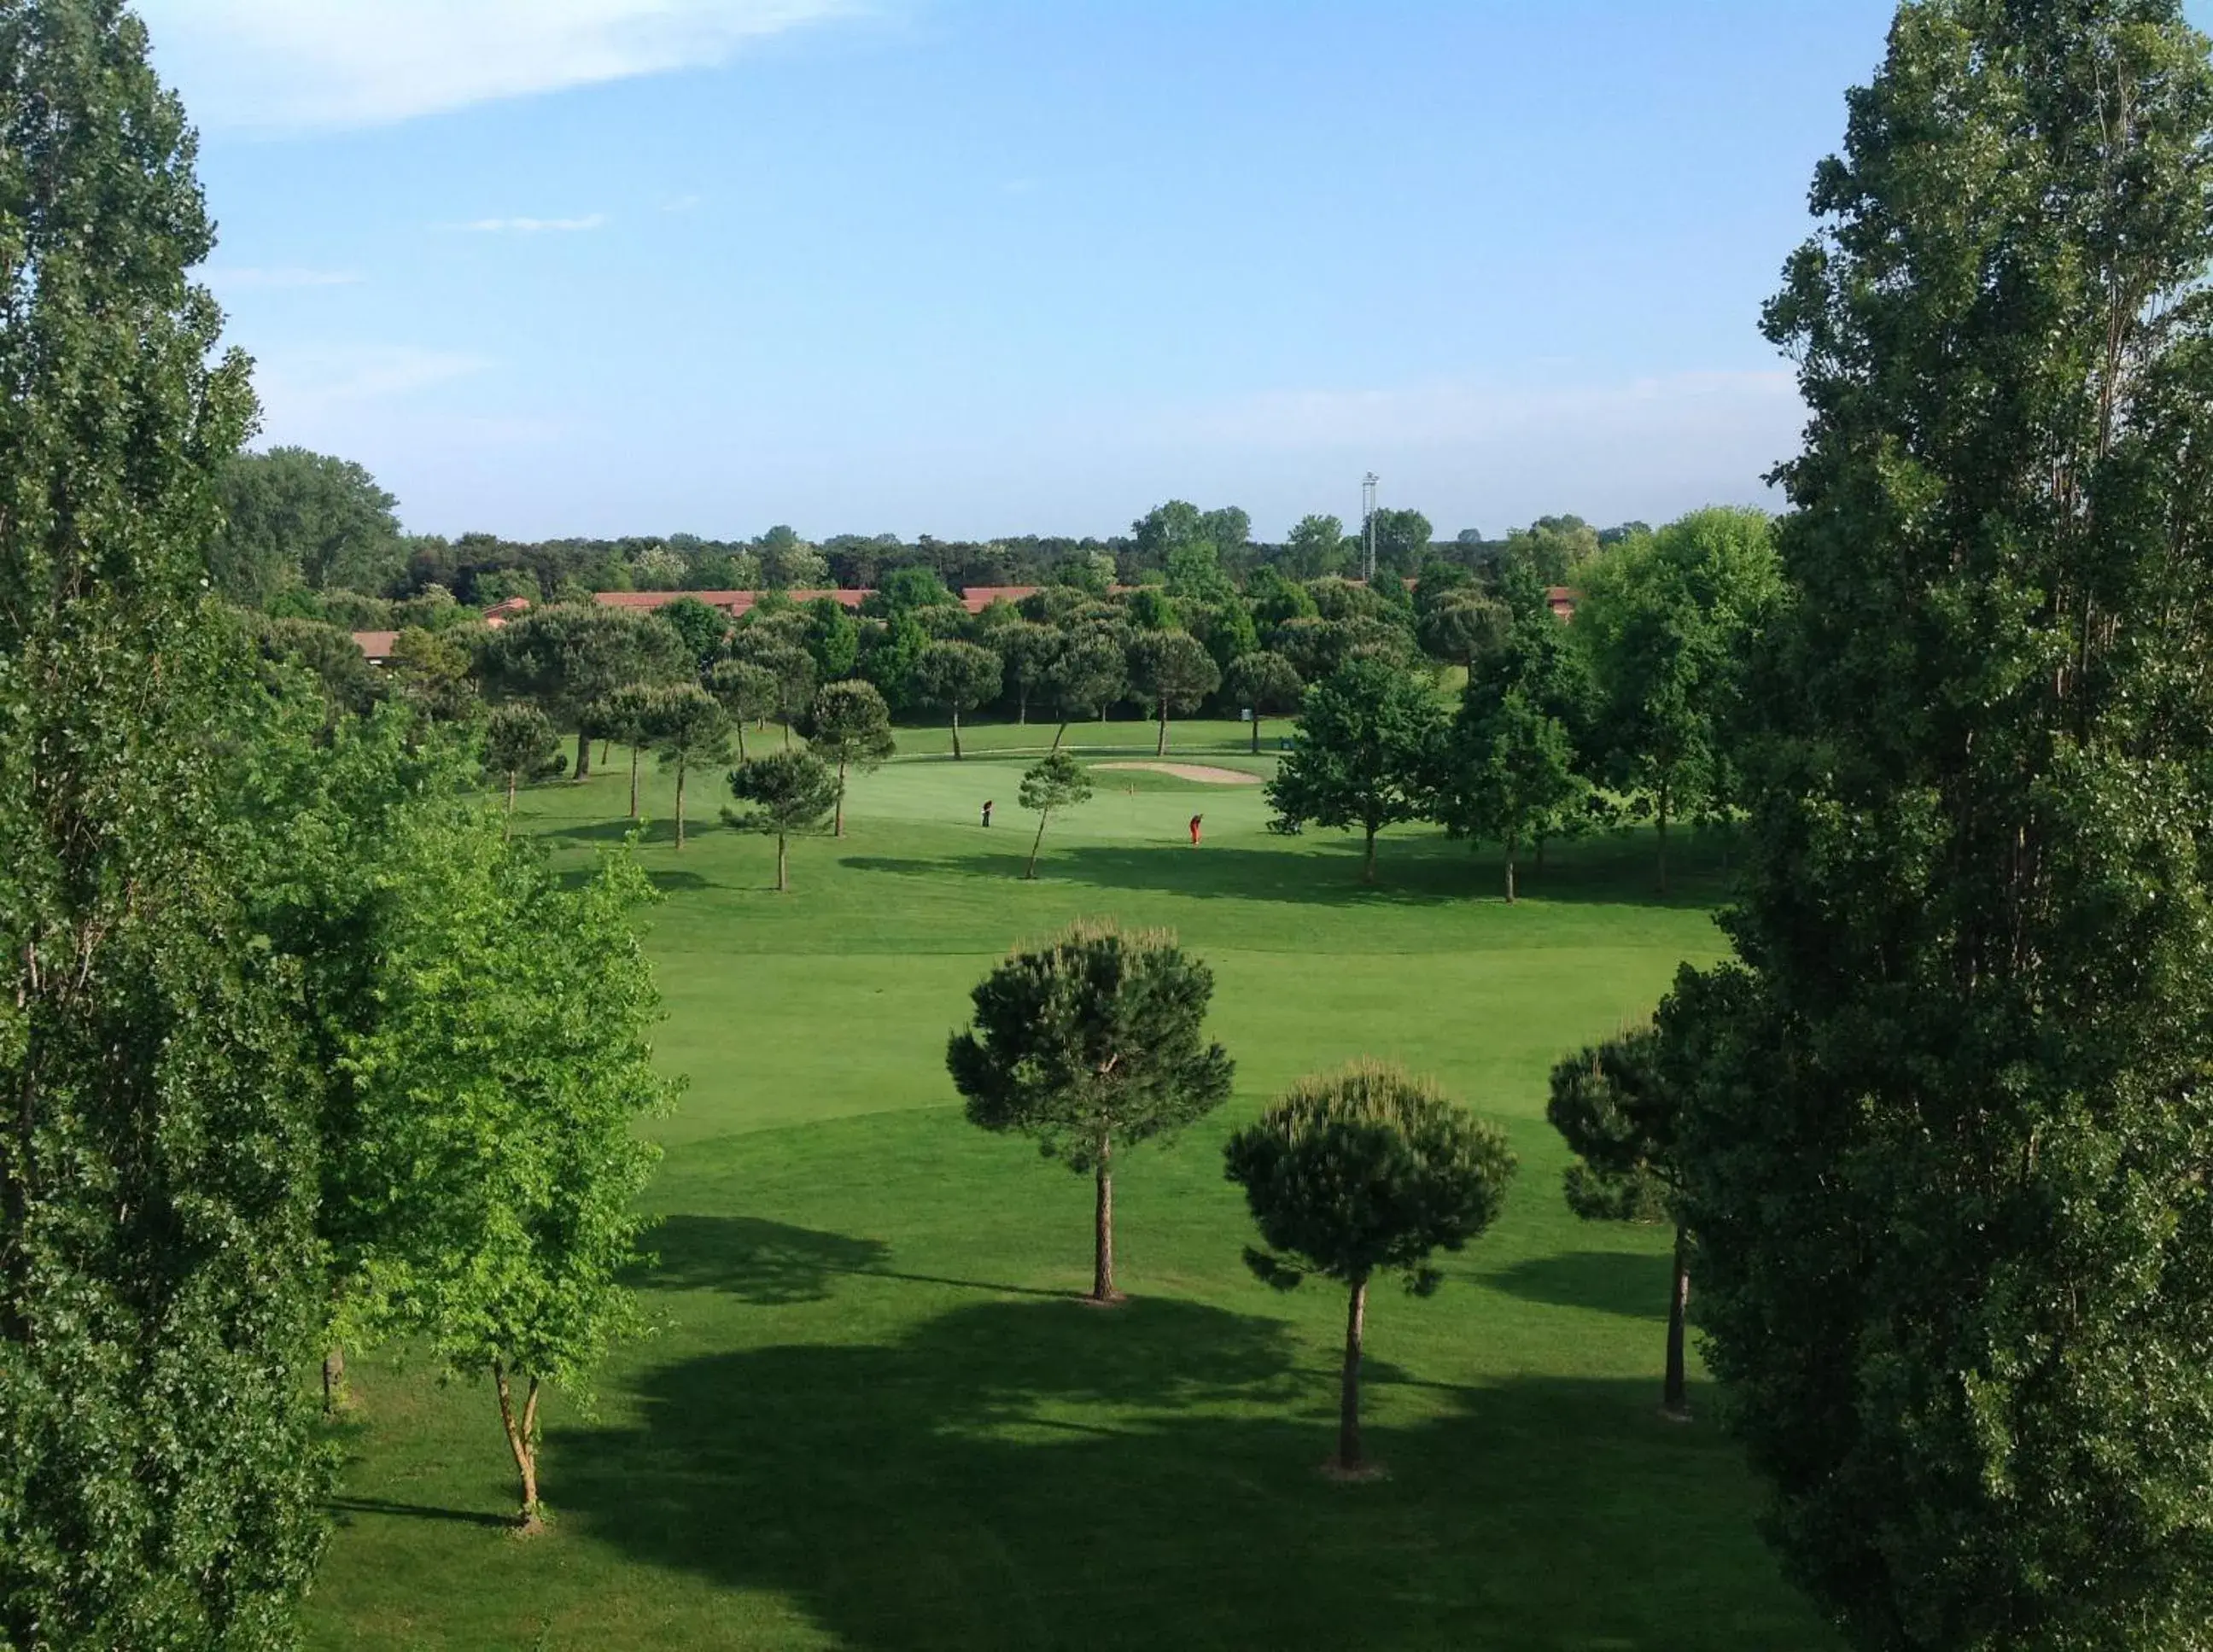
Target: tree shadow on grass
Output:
[(1626, 1283), (1326, 874), (772, 1264), (1021, 1475), (344, 1508)]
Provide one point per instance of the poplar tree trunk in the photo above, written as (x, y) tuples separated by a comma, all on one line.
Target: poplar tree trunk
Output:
[(1102, 1264), (783, 883), (1256, 733), (680, 806), (1030, 871), (1368, 871), (1675, 1401), (522, 1441), (583, 755), (838, 814), (1350, 1459), (633, 783), (1510, 871), (956, 734), (1160, 746), (1663, 837)]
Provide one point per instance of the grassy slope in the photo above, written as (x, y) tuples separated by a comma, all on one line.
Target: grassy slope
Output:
[(873, 1419)]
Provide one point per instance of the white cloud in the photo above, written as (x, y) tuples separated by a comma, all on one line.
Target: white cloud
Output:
[(535, 226), (293, 64), (235, 279)]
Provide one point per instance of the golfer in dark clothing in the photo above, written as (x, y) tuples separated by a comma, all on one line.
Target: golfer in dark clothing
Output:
[(987, 812)]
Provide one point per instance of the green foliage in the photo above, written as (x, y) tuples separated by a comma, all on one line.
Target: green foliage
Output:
[(347, 680), (295, 518), (687, 727), (784, 793), (1317, 547), (1506, 771), (499, 1088), (158, 1269), (1091, 1041), (958, 676), (431, 671), (1402, 543), (1366, 1170), (1366, 741), (831, 639), (749, 693), (519, 742), (1088, 674), (1028, 653), (1172, 669), (704, 630), (1946, 1159), (851, 729), (1056, 781), (567, 658), (889, 655), (1618, 1116), (1264, 684)]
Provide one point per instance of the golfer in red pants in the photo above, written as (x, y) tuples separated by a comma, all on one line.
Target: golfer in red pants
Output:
[(1195, 819)]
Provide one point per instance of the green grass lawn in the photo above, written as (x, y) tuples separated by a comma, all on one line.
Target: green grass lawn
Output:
[(874, 1417)]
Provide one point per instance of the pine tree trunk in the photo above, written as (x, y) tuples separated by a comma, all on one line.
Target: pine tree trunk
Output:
[(1030, 871), (1368, 871), (783, 881), (509, 830), (956, 734), (1675, 1401), (1102, 1259), (1510, 871), (741, 738), (1059, 733), (680, 806), (521, 1442), (333, 1380), (633, 783), (1663, 838), (1350, 1459), (1160, 746), (787, 731), (1256, 733), (838, 814), (583, 755), (1022, 707)]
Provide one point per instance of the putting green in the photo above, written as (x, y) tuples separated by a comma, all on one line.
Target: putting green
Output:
[(872, 1416)]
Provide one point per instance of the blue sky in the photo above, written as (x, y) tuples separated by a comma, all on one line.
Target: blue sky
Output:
[(977, 267)]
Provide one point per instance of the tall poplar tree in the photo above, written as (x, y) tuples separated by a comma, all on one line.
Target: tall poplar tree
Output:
[(158, 1270), (1947, 1157)]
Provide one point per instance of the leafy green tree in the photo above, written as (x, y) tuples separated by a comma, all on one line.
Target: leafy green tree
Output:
[(1317, 546), (688, 726), (1055, 781), (630, 715), (501, 1085), (431, 671), (1667, 621), (1092, 1041), (1402, 542), (1028, 653), (1553, 550), (831, 638), (1266, 685), (1274, 598), (1174, 670), (1618, 1112), (1946, 1156), (749, 693), (1088, 675), (1362, 753), (349, 682), (1466, 625), (786, 792), (852, 728), (958, 676), (1362, 1171), (158, 1282), (518, 741), (704, 630), (568, 658), (1506, 772), (775, 650), (293, 518)]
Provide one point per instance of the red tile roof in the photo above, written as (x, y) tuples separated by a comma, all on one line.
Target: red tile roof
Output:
[(376, 644), (734, 603), (977, 598)]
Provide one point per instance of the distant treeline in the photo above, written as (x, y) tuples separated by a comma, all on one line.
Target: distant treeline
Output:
[(307, 534)]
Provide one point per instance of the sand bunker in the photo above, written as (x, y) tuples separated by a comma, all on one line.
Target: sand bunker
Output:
[(1199, 771)]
